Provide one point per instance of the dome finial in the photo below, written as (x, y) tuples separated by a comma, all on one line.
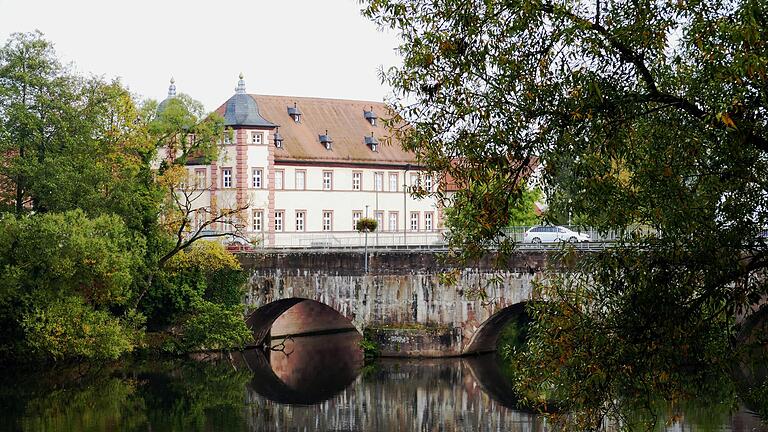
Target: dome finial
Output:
[(172, 88), (240, 85)]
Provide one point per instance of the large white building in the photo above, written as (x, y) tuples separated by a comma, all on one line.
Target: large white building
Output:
[(309, 168)]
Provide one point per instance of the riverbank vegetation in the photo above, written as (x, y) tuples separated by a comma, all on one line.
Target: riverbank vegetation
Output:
[(639, 114), (97, 246)]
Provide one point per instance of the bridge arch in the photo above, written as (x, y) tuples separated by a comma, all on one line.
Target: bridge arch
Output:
[(295, 316), (486, 337)]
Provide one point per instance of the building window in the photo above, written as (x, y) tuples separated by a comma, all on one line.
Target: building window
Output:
[(300, 218), (414, 179), (279, 179), (279, 220), (256, 175), (200, 180), (301, 179), (327, 220), (380, 219), (414, 221), (378, 181), (226, 177), (428, 221), (392, 221), (258, 220), (357, 179), (356, 215), (393, 182), (428, 183), (228, 137), (327, 180), (256, 138)]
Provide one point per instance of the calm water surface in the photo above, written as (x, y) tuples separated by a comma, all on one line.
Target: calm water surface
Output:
[(318, 383)]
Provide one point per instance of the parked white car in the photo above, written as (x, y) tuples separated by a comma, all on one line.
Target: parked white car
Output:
[(549, 234)]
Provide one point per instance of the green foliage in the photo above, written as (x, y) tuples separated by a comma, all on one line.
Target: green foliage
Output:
[(371, 349), (69, 329), (641, 114), (213, 326), (98, 225), (524, 213), (204, 273), (62, 277), (366, 225)]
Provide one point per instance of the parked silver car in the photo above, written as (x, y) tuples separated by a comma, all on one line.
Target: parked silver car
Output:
[(549, 234)]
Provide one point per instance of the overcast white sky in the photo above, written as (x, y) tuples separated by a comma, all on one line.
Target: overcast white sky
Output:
[(320, 48)]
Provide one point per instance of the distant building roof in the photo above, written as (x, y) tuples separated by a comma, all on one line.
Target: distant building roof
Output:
[(342, 118), (242, 110)]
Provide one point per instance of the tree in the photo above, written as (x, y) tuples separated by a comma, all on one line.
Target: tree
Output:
[(644, 113), (82, 146)]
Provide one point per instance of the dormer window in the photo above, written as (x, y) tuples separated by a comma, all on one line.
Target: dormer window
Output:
[(326, 140), (370, 116), (278, 138), (295, 113), (372, 142)]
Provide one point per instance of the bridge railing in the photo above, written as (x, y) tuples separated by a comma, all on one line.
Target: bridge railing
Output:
[(409, 239)]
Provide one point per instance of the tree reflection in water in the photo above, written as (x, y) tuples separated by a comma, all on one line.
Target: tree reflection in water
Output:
[(321, 385)]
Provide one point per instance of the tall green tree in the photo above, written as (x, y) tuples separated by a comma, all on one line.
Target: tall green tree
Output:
[(644, 113), (84, 145)]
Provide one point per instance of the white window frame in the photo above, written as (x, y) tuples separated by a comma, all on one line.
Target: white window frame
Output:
[(279, 179), (258, 220), (356, 216), (428, 182), (428, 221), (379, 216), (303, 184), (301, 220), (415, 221), (279, 219), (257, 178), (327, 220), (256, 137), (327, 180), (357, 180), (201, 180), (394, 187), (393, 224), (226, 178)]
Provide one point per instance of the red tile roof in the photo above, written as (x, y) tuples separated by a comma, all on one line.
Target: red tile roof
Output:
[(346, 125)]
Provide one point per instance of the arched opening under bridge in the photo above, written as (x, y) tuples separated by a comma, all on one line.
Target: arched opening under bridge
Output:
[(486, 337)]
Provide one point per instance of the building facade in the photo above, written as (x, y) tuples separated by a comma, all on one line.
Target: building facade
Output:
[(308, 168)]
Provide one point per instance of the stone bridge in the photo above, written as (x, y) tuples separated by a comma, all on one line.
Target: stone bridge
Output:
[(404, 302)]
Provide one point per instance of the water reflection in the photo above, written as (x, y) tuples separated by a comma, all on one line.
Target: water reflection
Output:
[(317, 383), (306, 370)]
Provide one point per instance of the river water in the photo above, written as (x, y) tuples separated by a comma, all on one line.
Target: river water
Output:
[(316, 383)]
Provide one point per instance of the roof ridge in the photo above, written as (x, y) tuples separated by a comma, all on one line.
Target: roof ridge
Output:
[(316, 98)]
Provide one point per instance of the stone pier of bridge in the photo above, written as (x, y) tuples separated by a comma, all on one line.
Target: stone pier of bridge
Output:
[(405, 302)]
